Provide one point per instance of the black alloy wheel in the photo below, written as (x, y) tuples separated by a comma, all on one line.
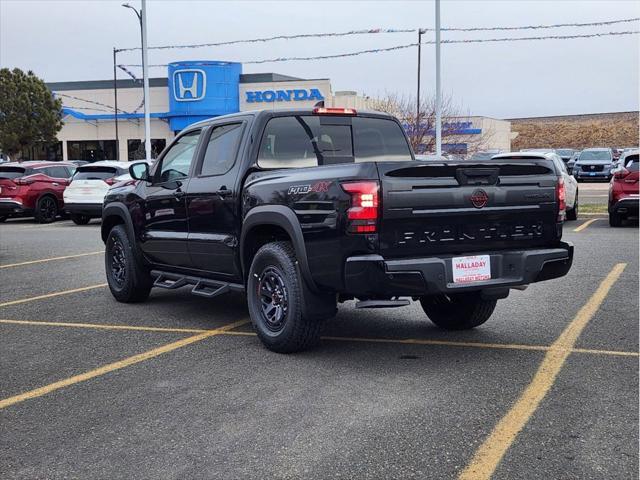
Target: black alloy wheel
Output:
[(117, 262), (274, 298), (47, 210)]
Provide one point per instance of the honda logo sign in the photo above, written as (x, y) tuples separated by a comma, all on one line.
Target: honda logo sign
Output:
[(189, 85)]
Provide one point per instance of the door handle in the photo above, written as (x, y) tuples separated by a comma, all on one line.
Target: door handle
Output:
[(223, 192), (178, 194)]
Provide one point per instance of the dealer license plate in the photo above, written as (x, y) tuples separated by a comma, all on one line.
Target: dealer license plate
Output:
[(476, 268), (592, 174)]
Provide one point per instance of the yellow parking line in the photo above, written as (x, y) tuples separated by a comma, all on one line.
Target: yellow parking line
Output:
[(406, 341), (586, 224), (105, 327), (51, 295), (419, 341), (450, 343), (605, 352), (38, 392), (493, 449), (31, 262)]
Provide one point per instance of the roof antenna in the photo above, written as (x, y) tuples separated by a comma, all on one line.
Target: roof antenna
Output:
[(319, 104)]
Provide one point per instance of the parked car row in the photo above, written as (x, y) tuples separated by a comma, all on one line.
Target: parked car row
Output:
[(46, 190)]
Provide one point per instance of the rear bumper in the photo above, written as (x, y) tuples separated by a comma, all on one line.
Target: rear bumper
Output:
[(13, 208), (373, 276), (625, 206), (89, 209)]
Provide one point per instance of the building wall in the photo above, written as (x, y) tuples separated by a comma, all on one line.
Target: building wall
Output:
[(129, 99)]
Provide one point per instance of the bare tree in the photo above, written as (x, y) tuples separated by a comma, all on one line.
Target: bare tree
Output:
[(421, 131)]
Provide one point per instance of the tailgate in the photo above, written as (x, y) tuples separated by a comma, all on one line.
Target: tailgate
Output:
[(430, 208)]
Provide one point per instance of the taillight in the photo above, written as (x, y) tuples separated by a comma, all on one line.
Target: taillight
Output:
[(23, 181), (363, 213), (110, 181), (562, 199), (333, 111), (620, 174)]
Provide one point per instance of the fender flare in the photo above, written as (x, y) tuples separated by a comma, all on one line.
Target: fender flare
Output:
[(117, 209), (285, 218)]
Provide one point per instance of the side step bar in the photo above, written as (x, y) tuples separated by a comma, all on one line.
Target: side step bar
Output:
[(204, 287), (398, 302)]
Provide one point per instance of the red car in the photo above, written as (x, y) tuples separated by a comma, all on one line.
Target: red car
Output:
[(624, 190), (33, 189)]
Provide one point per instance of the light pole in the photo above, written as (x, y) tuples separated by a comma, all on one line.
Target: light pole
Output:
[(420, 33), (142, 19), (438, 86)]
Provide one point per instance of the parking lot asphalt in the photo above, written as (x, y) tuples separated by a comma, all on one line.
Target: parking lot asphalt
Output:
[(179, 387), (593, 192)]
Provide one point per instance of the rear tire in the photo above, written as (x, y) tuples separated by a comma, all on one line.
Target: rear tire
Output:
[(276, 299), (80, 219), (572, 214), (46, 209), (128, 280), (615, 220), (460, 311)]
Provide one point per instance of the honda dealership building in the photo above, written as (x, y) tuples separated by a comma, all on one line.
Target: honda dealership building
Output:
[(194, 91)]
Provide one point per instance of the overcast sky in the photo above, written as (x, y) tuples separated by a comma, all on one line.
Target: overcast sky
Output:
[(73, 40)]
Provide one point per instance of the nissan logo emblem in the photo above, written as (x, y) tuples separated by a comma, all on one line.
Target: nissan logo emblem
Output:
[(479, 198)]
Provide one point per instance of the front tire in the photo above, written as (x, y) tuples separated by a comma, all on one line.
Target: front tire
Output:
[(459, 311), (46, 209), (80, 219), (128, 281), (275, 295)]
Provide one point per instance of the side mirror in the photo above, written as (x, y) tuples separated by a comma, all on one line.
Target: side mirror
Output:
[(139, 171)]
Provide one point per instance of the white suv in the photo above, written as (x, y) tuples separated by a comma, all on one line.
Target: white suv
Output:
[(84, 196)]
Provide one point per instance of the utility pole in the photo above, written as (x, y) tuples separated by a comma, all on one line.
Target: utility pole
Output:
[(115, 103), (145, 71), (420, 32), (142, 18), (438, 85)]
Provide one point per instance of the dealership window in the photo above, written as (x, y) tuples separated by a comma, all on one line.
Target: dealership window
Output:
[(51, 152), (135, 148), (92, 150)]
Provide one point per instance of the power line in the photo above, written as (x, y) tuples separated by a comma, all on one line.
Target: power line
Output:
[(126, 67), (383, 30)]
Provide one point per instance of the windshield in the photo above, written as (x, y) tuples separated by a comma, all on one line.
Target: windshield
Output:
[(12, 172), (564, 152), (95, 173), (307, 141), (595, 155)]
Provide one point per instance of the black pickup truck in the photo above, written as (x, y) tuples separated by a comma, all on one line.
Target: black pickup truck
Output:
[(301, 209)]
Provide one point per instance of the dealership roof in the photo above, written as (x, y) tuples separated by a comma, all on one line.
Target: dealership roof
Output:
[(163, 82)]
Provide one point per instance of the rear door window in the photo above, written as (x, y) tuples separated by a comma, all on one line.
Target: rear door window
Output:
[(221, 149), (95, 173), (308, 141), (58, 172)]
